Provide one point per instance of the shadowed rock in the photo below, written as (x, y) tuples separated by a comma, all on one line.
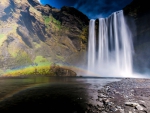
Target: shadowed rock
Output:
[(60, 71)]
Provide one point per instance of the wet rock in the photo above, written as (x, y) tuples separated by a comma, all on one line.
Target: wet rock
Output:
[(102, 96), (99, 104), (118, 107), (106, 101), (139, 107), (104, 112), (113, 109), (136, 105), (132, 104), (121, 111), (143, 105), (60, 71)]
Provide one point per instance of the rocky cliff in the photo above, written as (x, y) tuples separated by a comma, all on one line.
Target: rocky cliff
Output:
[(33, 34), (138, 18)]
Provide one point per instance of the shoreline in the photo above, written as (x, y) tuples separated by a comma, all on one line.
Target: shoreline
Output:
[(130, 95), (80, 76)]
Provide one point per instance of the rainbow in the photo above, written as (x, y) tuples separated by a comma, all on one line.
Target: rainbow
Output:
[(44, 70)]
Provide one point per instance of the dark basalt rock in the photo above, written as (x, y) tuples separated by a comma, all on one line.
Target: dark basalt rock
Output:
[(138, 16), (137, 8), (69, 16), (65, 72), (75, 13), (60, 71), (45, 10)]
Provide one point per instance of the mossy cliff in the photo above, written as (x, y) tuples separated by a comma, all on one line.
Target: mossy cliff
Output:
[(33, 34)]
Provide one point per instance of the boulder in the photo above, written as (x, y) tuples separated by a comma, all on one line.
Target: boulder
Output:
[(61, 71)]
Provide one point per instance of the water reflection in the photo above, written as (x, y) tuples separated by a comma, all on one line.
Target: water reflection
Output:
[(56, 91)]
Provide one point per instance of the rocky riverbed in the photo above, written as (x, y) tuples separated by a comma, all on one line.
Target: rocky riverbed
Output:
[(125, 96)]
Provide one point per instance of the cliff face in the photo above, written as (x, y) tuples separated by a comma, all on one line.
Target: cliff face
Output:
[(33, 34), (138, 16)]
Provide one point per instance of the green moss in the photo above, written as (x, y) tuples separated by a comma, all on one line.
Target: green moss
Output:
[(36, 45), (60, 58), (1, 36), (40, 59), (56, 22), (84, 34), (14, 54), (51, 19), (46, 19), (30, 70), (22, 58)]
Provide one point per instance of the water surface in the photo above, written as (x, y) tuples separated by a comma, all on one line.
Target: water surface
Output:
[(57, 94)]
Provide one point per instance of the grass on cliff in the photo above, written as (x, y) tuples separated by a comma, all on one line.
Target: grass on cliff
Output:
[(41, 66), (84, 34), (51, 19), (61, 58), (30, 70), (22, 58), (1, 36), (40, 60)]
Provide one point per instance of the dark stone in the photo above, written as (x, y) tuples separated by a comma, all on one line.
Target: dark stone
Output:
[(60, 71), (138, 15)]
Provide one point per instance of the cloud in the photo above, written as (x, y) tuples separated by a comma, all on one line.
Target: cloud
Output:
[(39, 1), (59, 3), (92, 8), (100, 8)]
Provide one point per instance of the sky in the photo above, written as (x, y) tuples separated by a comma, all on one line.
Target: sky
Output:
[(92, 8)]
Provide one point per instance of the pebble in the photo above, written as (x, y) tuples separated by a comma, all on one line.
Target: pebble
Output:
[(139, 107), (118, 107), (121, 110), (100, 104), (134, 104), (102, 95)]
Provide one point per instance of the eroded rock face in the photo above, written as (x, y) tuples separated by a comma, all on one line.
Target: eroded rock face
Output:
[(59, 36), (138, 16)]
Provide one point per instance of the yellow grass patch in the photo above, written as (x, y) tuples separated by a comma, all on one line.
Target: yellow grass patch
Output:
[(31, 70)]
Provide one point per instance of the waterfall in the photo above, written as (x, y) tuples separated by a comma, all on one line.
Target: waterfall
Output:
[(92, 46), (112, 54)]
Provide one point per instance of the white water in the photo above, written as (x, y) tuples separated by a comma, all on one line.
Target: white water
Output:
[(92, 46), (113, 54)]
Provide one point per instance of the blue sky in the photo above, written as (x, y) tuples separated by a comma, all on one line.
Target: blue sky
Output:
[(92, 8)]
